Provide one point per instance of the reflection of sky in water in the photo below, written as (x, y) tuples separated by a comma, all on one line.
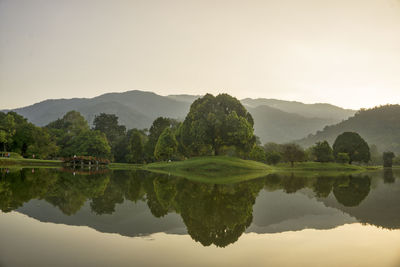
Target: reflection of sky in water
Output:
[(28, 242)]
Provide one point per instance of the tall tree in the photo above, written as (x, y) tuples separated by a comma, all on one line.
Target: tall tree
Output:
[(352, 144), (257, 154), (88, 143), (293, 153), (322, 152), (108, 124), (167, 145), (156, 129), (66, 129), (214, 123), (136, 153)]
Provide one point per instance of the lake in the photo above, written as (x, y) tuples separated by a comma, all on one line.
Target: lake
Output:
[(52, 217)]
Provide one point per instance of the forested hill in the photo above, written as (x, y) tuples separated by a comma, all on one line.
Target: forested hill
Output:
[(275, 120), (318, 110), (379, 126)]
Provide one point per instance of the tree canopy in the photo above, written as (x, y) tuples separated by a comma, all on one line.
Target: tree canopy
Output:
[(215, 123), (322, 152), (352, 144), (166, 146), (293, 153)]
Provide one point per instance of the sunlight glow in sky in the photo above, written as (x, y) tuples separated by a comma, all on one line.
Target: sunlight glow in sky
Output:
[(344, 52)]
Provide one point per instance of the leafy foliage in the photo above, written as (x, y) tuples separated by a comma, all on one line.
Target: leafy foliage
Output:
[(342, 158), (352, 144), (167, 145), (293, 153), (257, 154), (273, 158), (322, 152), (136, 148), (214, 123)]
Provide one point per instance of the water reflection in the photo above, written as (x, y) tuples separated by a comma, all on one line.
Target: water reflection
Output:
[(211, 214)]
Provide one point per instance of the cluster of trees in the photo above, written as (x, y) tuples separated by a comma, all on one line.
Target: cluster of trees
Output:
[(214, 125), (20, 136), (348, 147)]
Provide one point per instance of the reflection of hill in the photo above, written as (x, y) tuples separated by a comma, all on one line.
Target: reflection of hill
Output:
[(129, 219), (380, 208), (278, 212), (139, 203)]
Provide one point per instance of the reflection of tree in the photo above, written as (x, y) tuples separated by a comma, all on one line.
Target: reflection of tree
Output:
[(123, 185), (18, 187), (292, 184), (156, 208), (351, 191), (69, 193), (217, 214), (323, 186), (388, 177), (213, 214)]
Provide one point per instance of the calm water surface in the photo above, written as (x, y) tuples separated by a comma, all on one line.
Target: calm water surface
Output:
[(52, 217)]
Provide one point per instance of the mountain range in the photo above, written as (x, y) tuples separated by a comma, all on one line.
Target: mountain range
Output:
[(275, 120)]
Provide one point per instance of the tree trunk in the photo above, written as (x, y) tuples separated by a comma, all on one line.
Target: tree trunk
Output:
[(292, 163)]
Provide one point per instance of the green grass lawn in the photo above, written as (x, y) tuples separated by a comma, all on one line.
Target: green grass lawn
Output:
[(224, 169), (220, 169), (212, 169), (317, 166)]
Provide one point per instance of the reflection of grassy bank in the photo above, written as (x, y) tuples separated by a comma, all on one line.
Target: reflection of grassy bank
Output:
[(8, 162), (228, 169), (219, 169)]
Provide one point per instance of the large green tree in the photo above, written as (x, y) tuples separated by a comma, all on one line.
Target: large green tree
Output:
[(136, 151), (156, 129), (88, 143), (214, 124), (322, 152), (293, 153), (108, 124), (354, 145), (20, 136), (167, 145)]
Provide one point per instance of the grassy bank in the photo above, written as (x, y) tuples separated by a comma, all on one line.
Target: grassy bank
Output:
[(212, 169), (229, 169), (8, 162), (317, 166), (221, 169)]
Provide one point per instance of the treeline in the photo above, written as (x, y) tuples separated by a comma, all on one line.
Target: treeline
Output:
[(215, 125), (348, 147)]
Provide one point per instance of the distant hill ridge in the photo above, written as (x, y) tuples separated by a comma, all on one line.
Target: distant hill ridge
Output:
[(275, 120), (379, 126)]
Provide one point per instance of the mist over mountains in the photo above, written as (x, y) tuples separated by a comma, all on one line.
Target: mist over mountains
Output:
[(275, 120)]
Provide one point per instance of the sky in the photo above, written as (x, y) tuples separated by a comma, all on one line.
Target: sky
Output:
[(343, 52)]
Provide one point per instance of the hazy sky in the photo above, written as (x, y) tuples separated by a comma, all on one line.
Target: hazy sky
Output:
[(344, 52)]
